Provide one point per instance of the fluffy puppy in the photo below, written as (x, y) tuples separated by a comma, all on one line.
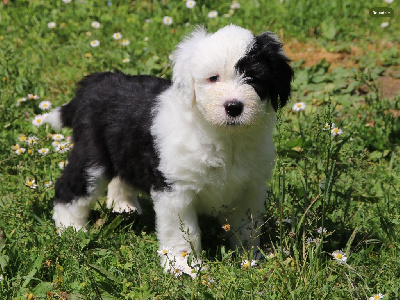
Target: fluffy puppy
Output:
[(199, 144)]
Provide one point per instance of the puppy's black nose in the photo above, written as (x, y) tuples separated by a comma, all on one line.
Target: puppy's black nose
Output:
[(233, 108)]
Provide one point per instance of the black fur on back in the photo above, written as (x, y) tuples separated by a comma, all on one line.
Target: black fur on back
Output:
[(111, 117), (267, 69)]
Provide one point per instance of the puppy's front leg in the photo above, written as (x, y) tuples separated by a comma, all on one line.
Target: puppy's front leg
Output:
[(177, 229)]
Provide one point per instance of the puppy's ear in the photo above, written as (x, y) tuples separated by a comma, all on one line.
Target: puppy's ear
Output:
[(267, 69), (182, 78)]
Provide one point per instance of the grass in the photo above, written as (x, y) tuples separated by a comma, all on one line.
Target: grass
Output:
[(328, 193)]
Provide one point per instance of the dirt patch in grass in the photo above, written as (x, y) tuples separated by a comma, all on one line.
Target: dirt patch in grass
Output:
[(312, 53)]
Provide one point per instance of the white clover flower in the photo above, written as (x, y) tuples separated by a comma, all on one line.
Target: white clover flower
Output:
[(376, 297), (43, 151), (190, 4), (300, 106), (45, 105), (57, 137), (213, 14), (117, 36), (38, 120), (95, 43), (51, 25), (247, 264), (20, 151), (31, 184), (126, 60), (125, 42), (167, 20), (177, 270), (336, 131), (48, 183), (384, 24), (164, 251), (339, 256), (235, 5), (95, 24)]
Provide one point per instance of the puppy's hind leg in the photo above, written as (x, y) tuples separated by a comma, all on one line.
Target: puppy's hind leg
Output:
[(76, 190), (122, 197)]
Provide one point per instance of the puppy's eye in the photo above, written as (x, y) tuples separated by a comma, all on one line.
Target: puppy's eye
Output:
[(214, 78)]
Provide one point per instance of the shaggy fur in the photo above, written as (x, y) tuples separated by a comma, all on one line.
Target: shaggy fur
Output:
[(199, 144)]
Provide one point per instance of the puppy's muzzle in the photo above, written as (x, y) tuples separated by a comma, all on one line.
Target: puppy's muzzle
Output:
[(233, 108)]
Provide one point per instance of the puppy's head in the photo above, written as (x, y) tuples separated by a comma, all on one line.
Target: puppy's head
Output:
[(229, 74)]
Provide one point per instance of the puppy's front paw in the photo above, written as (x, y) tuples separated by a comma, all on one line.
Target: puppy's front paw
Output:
[(177, 264)]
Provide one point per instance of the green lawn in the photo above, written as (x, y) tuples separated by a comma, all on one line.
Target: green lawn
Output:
[(332, 190)]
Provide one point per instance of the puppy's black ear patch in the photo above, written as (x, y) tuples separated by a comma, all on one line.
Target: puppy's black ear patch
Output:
[(266, 68)]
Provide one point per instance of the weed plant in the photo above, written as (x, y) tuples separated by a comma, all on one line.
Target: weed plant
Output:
[(333, 219)]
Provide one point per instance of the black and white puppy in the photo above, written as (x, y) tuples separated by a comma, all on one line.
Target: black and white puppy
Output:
[(199, 144)]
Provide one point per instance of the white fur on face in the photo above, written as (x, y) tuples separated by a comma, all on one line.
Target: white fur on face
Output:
[(215, 55)]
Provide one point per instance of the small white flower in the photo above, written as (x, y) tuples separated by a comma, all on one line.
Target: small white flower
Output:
[(20, 151), (235, 5), (22, 138), (51, 25), (271, 255), (48, 183), (62, 164), (339, 256), (57, 137), (43, 151), (213, 14), (300, 106), (62, 147), (190, 4), (167, 20), (247, 264), (177, 270), (95, 43), (66, 1), (384, 24), (117, 36), (336, 131), (38, 120), (32, 140), (389, 1), (45, 105), (126, 60), (15, 147), (125, 42), (376, 297), (33, 97), (95, 24), (164, 251), (322, 230), (31, 184), (171, 57)]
